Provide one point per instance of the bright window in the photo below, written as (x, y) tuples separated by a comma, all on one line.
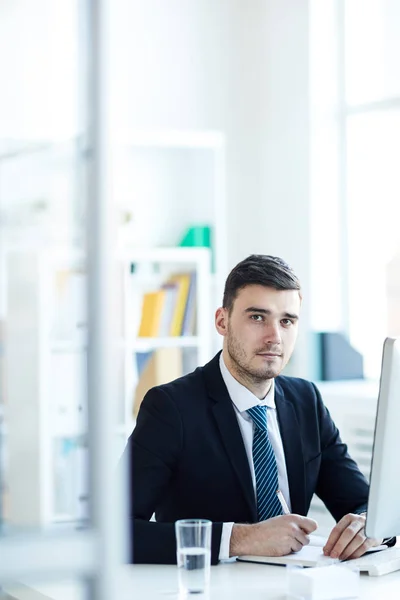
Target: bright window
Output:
[(373, 193), (371, 130), (372, 50)]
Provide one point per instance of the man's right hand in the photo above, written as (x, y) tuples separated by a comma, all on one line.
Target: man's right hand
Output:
[(274, 537)]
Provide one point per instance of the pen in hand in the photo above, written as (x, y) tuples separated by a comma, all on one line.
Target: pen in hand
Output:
[(285, 508), (282, 500)]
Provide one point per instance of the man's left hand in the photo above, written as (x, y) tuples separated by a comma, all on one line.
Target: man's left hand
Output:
[(348, 540)]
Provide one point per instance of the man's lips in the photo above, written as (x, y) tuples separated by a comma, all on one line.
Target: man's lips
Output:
[(268, 354)]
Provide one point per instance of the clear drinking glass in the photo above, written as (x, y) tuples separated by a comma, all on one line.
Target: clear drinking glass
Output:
[(193, 550)]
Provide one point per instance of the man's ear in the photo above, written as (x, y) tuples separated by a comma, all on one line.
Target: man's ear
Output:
[(221, 321)]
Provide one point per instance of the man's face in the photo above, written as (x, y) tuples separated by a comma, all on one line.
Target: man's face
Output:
[(261, 330)]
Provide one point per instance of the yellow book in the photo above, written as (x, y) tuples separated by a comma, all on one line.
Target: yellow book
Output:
[(151, 313), (183, 282), (164, 364)]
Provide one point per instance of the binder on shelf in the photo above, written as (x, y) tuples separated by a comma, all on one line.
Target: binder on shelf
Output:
[(183, 282), (142, 358), (171, 294), (197, 235), (171, 310), (200, 235), (189, 319), (155, 368), (151, 313)]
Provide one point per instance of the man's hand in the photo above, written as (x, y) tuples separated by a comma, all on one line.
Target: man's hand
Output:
[(274, 537), (348, 539)]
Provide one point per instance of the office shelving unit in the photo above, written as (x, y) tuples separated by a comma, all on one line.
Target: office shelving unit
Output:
[(46, 408), (152, 266), (167, 181)]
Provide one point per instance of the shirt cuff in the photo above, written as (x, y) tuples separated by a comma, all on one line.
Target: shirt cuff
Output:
[(225, 541)]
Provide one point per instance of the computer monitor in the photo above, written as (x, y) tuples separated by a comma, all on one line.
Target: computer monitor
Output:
[(383, 516)]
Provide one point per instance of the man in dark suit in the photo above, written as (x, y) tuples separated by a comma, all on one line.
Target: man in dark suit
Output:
[(218, 443)]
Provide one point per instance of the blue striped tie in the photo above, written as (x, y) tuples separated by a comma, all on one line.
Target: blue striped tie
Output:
[(265, 468)]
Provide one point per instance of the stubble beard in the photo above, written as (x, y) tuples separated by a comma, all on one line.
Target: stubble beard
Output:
[(242, 366)]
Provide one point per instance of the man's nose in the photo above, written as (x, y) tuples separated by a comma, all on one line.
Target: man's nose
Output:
[(272, 333)]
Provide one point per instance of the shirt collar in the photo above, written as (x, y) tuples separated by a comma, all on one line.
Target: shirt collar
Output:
[(241, 397)]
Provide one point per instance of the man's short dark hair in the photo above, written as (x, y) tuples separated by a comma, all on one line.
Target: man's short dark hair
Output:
[(259, 269)]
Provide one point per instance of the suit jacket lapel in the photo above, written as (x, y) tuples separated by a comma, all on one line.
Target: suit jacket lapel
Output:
[(228, 426), (293, 448)]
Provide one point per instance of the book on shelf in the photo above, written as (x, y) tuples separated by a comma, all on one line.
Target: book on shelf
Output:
[(155, 368), (171, 310), (170, 298), (189, 319), (183, 281), (151, 313)]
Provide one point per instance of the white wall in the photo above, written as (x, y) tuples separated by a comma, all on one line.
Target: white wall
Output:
[(38, 70), (328, 157), (240, 67)]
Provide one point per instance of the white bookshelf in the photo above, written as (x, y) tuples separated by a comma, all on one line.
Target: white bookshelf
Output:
[(171, 259), (46, 373), (165, 180), (39, 407), (168, 181)]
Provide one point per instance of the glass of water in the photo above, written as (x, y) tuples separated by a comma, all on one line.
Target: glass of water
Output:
[(193, 550)]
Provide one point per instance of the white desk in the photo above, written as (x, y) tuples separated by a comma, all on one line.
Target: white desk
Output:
[(233, 581)]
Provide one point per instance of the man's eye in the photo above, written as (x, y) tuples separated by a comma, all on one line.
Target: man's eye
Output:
[(257, 318), (287, 322)]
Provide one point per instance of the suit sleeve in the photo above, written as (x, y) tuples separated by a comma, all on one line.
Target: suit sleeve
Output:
[(341, 485), (153, 454)]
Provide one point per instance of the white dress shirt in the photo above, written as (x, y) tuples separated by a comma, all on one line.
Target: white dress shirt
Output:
[(242, 400)]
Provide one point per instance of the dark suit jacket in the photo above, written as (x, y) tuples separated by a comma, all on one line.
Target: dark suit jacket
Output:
[(187, 460)]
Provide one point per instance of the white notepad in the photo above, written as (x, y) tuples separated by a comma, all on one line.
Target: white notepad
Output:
[(309, 556)]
